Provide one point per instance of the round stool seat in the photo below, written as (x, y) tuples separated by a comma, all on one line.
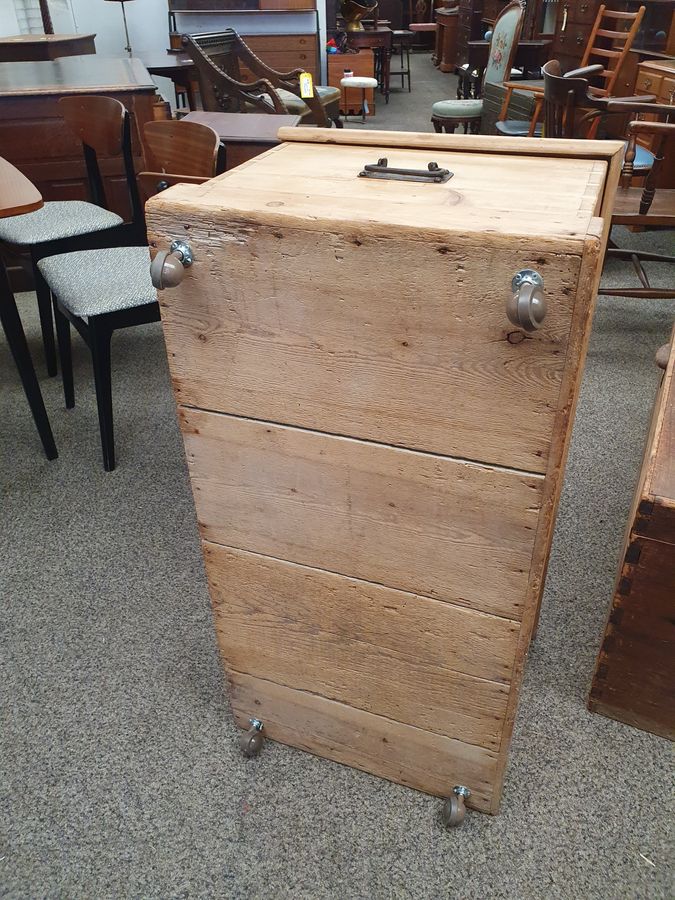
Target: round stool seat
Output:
[(358, 81)]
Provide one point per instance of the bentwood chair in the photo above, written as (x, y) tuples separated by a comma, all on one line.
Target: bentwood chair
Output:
[(446, 115), (218, 58), (99, 291), (64, 225)]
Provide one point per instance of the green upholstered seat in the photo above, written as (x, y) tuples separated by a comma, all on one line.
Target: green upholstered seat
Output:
[(465, 109), (296, 106)]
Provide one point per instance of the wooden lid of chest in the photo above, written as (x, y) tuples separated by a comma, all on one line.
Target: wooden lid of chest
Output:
[(501, 186)]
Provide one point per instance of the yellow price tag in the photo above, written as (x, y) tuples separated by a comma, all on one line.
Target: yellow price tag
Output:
[(306, 85)]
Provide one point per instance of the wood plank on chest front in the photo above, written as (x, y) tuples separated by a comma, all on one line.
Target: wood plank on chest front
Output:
[(452, 530), (353, 641)]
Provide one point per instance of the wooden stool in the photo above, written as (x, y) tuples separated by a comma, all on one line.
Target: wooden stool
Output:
[(363, 82)]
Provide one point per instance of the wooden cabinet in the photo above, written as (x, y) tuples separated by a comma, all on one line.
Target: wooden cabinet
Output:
[(635, 675), (376, 451), (445, 53), (285, 52), (361, 64)]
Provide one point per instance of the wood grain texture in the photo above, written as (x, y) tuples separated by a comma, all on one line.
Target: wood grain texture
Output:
[(451, 530), (634, 679), (400, 753), (306, 185), (418, 358), (184, 148), (406, 657), (17, 194)]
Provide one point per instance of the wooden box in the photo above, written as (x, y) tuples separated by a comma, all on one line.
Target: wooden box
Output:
[(376, 451), (635, 675)]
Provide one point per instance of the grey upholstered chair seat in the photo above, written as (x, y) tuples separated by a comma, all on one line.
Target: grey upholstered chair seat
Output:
[(57, 219), (92, 282)]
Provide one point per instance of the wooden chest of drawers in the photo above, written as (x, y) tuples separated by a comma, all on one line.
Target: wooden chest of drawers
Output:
[(657, 77), (362, 64), (635, 676), (285, 52), (376, 451)]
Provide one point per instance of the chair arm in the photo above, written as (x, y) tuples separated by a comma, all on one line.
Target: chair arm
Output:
[(258, 67), (640, 127), (587, 70), (620, 105), (525, 86)]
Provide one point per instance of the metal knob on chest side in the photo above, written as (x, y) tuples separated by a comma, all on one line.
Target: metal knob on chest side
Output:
[(168, 267), (526, 307)]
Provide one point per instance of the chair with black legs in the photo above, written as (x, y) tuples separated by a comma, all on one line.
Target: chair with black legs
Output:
[(99, 291), (64, 225)]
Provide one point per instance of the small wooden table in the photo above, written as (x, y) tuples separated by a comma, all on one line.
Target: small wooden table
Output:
[(244, 135), (177, 66), (19, 196), (36, 47)]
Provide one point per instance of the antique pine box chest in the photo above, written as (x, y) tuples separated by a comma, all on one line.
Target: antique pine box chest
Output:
[(376, 450)]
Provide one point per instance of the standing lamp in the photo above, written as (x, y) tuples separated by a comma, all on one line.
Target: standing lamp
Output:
[(126, 29)]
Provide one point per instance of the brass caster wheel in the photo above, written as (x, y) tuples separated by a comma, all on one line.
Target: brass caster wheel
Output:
[(252, 740), (454, 807)]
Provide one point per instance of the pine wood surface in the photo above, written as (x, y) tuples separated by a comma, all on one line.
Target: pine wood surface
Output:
[(407, 471), (350, 641), (401, 753), (416, 365), (454, 531), (17, 194)]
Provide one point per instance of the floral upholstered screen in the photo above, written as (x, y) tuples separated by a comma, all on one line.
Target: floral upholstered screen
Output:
[(506, 33)]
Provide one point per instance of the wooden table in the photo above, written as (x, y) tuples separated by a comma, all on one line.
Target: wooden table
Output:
[(379, 40), (244, 135), (36, 47), (634, 679), (19, 196)]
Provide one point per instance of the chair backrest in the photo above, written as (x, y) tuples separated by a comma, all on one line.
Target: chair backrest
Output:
[(504, 43), (182, 148), (216, 57), (566, 101), (103, 125), (610, 42)]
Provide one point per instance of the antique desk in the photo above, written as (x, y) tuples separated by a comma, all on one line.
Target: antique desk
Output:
[(244, 135), (634, 679), (376, 429), (36, 47), (35, 138), (17, 197)]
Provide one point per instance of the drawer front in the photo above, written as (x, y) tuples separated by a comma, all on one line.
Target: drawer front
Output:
[(572, 41), (451, 530), (667, 91), (408, 658), (284, 43), (583, 13), (648, 83), (305, 328)]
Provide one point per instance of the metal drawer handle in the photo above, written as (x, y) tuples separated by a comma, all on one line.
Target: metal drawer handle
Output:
[(526, 307), (432, 173), (168, 266)]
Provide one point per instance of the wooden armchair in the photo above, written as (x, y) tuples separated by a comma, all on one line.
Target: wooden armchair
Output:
[(219, 59)]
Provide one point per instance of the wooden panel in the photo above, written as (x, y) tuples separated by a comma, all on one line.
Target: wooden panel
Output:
[(421, 760), (361, 63), (452, 530), (411, 659), (251, 339)]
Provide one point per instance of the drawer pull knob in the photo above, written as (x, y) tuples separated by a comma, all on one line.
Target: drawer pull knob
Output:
[(647, 83), (454, 807), (168, 266), (252, 740), (526, 307)]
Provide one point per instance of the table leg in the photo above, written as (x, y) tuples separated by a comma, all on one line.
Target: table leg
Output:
[(11, 324), (386, 72)]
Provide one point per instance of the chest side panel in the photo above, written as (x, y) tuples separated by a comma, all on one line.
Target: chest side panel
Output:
[(400, 342), (451, 530)]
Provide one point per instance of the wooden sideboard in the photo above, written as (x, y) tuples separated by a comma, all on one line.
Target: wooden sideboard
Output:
[(37, 47), (635, 675)]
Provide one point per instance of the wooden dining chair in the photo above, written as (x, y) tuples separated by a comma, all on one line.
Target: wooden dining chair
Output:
[(172, 147), (99, 291), (64, 225), (609, 42)]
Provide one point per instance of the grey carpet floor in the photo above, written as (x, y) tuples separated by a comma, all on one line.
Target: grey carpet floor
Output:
[(120, 772)]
